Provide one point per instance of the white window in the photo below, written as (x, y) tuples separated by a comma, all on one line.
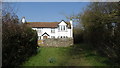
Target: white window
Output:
[(62, 28), (59, 28), (39, 31), (66, 37), (52, 30), (52, 36)]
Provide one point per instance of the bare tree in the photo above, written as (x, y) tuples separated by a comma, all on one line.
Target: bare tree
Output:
[(9, 13)]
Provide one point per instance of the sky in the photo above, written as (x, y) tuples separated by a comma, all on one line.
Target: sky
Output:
[(48, 11)]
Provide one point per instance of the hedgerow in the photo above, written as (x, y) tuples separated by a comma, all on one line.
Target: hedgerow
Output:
[(19, 42)]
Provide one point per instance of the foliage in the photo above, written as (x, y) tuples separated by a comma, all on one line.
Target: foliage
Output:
[(78, 35), (52, 60), (101, 26), (19, 42)]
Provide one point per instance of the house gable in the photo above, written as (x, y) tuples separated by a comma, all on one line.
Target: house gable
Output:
[(62, 23)]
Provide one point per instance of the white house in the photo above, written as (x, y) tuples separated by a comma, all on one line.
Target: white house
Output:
[(52, 29)]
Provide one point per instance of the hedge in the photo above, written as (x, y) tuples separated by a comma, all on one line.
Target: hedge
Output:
[(19, 42)]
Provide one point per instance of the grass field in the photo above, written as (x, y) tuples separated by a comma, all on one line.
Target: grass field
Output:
[(66, 56)]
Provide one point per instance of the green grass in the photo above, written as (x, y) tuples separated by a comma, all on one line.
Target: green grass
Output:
[(78, 55)]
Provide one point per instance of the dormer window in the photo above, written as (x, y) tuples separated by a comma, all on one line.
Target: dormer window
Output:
[(62, 28)]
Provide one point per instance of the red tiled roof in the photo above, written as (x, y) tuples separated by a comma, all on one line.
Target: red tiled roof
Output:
[(45, 24)]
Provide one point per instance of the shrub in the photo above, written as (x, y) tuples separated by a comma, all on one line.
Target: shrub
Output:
[(52, 60), (78, 35), (19, 42)]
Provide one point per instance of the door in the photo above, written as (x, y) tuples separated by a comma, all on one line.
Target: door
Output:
[(44, 37)]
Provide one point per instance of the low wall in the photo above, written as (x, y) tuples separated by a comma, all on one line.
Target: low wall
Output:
[(63, 42)]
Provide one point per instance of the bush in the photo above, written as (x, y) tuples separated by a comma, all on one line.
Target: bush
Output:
[(19, 42), (78, 35)]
